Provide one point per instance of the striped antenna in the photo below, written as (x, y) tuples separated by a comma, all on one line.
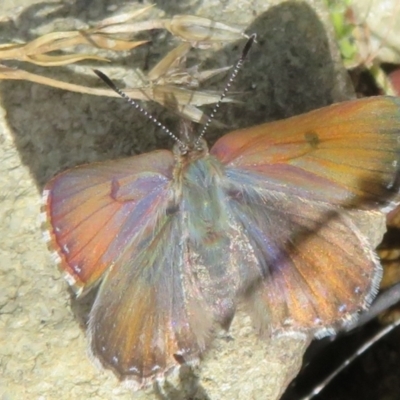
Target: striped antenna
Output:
[(111, 84), (228, 85)]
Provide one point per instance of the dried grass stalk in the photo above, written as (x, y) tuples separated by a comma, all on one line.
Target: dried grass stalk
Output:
[(114, 33)]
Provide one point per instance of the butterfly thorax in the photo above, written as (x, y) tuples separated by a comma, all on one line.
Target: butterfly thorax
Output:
[(194, 166)]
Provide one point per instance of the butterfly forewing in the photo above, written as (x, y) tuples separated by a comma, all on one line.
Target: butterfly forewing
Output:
[(346, 154), (90, 218)]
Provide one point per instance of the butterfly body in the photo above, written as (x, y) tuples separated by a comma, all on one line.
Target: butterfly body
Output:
[(177, 239)]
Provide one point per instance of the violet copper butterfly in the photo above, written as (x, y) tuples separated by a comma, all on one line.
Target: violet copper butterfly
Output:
[(176, 239)]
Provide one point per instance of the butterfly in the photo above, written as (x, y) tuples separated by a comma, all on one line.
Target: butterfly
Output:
[(174, 240)]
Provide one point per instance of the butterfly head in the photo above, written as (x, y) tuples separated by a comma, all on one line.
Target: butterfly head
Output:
[(190, 147)]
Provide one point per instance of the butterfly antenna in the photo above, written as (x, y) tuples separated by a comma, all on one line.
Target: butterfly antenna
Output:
[(111, 84), (231, 78)]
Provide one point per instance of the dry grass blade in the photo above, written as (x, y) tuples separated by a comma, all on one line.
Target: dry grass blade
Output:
[(171, 70), (169, 96), (171, 61), (199, 31), (114, 33), (202, 30), (108, 43), (180, 100), (37, 50), (122, 18), (18, 74)]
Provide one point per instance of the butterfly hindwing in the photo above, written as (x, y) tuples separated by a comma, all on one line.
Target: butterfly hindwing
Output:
[(149, 308), (316, 269)]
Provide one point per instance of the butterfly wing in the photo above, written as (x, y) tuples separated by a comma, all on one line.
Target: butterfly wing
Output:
[(161, 247), (346, 154), (290, 186), (315, 268), (88, 212), (149, 309)]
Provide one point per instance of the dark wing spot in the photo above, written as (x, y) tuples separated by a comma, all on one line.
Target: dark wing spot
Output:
[(312, 139)]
